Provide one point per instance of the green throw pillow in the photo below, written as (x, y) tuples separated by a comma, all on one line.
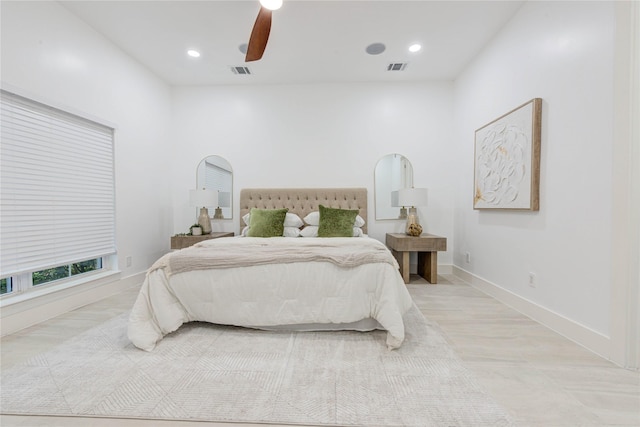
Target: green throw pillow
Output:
[(267, 222), (336, 222)]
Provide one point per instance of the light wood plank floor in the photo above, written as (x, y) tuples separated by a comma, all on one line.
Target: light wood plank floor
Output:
[(542, 378)]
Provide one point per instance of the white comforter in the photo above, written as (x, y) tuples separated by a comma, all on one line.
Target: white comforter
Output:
[(297, 291)]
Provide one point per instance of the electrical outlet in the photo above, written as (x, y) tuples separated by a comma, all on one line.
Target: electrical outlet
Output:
[(128, 261), (467, 257), (532, 279)]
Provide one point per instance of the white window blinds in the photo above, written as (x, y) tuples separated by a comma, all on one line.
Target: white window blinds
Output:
[(57, 187)]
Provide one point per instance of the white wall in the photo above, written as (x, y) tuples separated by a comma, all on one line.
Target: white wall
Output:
[(561, 52), (51, 56), (320, 135)]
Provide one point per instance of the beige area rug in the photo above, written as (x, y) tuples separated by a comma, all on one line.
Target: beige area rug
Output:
[(219, 373)]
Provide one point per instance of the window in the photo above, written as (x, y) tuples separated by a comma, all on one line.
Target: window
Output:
[(64, 271), (6, 286), (56, 194)]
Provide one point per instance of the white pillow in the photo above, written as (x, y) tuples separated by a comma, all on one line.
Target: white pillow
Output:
[(312, 231), (290, 220), (313, 218), (288, 231), (293, 220), (291, 232), (309, 231)]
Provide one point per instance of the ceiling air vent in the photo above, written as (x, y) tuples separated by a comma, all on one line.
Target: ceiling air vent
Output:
[(397, 66), (241, 70)]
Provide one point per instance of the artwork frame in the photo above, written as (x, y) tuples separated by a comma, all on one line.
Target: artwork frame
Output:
[(507, 160)]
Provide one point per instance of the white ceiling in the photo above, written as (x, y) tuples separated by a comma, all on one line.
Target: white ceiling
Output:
[(310, 41)]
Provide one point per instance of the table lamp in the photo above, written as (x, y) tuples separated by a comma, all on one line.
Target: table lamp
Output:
[(412, 197), (203, 198)]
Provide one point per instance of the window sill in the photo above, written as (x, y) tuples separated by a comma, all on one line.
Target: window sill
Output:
[(34, 293)]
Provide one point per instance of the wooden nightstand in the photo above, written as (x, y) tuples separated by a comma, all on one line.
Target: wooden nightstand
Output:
[(181, 242), (427, 246)]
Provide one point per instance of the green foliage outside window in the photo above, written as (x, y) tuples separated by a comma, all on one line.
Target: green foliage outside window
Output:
[(57, 273), (85, 266), (3, 286), (50, 274)]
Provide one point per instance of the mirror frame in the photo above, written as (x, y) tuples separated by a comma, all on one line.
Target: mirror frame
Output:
[(224, 165), (389, 180)]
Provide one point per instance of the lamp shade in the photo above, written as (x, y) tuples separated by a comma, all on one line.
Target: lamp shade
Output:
[(409, 197), (203, 197)]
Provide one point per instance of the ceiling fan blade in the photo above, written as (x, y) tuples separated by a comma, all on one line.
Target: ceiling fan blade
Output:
[(259, 35)]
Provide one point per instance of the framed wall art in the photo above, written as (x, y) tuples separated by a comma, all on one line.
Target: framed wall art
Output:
[(507, 160)]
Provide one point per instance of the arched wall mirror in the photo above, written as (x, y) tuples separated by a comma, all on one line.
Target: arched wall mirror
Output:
[(215, 173), (393, 172)]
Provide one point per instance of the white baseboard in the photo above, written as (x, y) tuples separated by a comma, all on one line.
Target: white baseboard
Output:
[(580, 334), (28, 312)]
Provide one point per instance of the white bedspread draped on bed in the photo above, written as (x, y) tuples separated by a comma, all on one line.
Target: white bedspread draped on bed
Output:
[(239, 281)]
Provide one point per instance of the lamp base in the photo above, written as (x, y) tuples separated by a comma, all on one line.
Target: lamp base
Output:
[(403, 213), (413, 227), (218, 214), (204, 221)]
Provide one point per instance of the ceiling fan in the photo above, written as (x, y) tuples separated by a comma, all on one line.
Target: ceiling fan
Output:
[(261, 30)]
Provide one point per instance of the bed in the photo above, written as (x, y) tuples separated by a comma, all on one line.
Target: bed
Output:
[(292, 283)]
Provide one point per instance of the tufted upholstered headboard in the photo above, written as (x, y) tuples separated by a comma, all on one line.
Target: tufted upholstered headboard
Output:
[(301, 201)]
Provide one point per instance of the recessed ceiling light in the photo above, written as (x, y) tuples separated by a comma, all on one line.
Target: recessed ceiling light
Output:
[(375, 48), (193, 53), (415, 47), (271, 4)]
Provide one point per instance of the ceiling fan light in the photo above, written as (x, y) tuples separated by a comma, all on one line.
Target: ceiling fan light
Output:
[(271, 4)]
